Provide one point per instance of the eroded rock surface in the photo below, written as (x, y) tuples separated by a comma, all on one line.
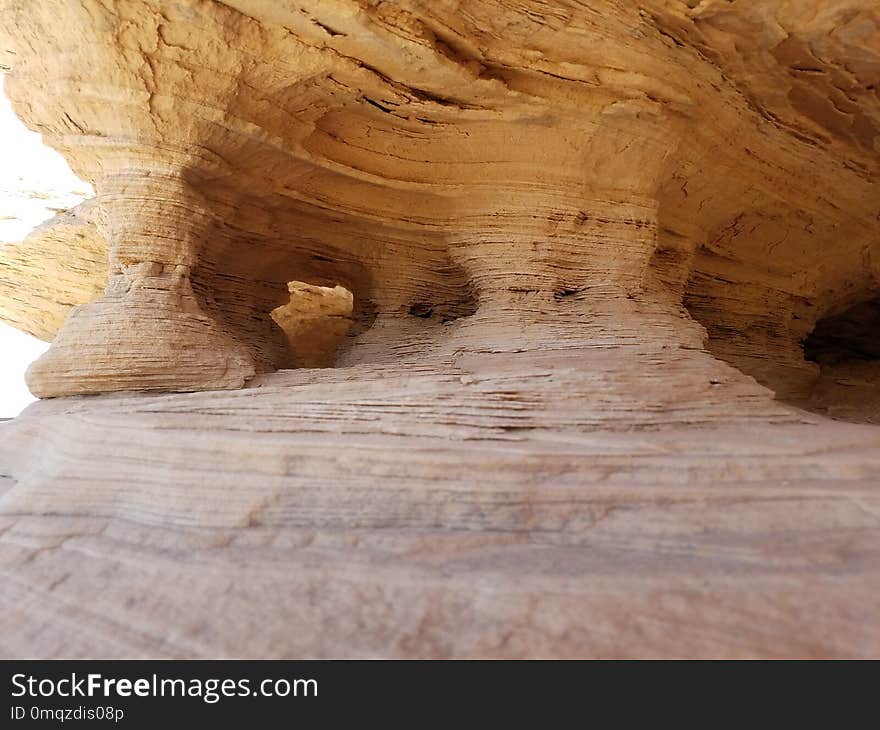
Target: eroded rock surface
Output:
[(562, 257)]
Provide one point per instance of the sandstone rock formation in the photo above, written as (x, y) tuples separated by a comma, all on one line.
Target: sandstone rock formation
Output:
[(473, 328)]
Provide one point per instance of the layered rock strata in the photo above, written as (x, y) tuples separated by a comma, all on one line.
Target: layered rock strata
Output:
[(510, 302)]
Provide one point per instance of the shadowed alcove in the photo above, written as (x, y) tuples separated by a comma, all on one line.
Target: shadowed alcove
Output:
[(846, 347)]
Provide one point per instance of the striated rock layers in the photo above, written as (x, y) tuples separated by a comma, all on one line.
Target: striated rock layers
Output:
[(529, 317)]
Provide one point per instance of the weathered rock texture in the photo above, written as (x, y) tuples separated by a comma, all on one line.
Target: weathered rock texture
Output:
[(562, 256)]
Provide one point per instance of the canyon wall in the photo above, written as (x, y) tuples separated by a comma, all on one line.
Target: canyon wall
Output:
[(450, 328)]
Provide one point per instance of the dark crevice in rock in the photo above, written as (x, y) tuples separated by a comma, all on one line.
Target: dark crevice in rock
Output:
[(846, 347), (850, 335)]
